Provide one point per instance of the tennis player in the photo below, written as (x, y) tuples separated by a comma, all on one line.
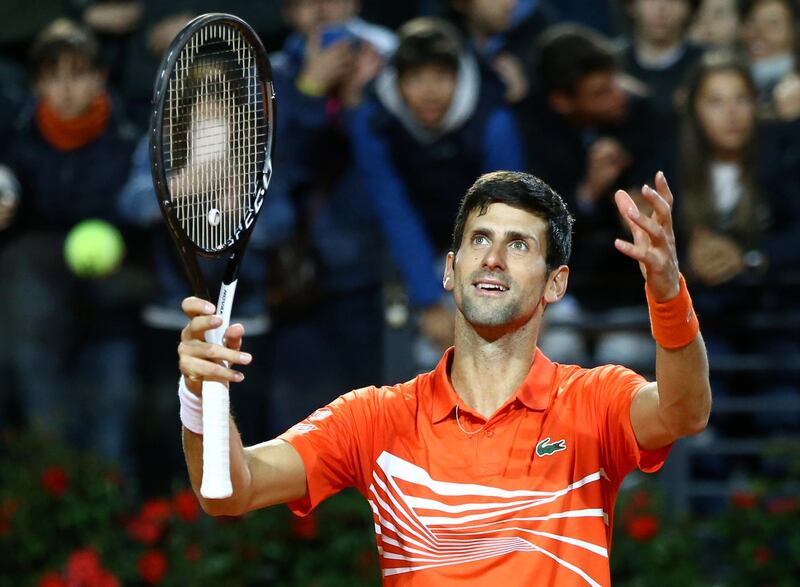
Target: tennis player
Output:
[(499, 467)]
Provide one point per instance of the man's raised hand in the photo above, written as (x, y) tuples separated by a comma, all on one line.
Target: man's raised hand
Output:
[(653, 243)]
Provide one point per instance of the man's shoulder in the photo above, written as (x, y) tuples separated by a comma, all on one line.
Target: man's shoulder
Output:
[(407, 391), (576, 379)]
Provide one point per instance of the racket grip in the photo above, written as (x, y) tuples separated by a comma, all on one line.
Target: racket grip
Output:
[(216, 445), (216, 482)]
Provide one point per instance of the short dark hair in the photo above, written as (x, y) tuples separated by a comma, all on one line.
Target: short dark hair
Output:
[(568, 53), (525, 191), (63, 37), (427, 41)]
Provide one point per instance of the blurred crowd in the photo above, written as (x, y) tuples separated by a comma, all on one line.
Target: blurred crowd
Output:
[(387, 112)]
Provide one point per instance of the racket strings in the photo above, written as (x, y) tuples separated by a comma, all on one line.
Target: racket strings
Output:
[(214, 135)]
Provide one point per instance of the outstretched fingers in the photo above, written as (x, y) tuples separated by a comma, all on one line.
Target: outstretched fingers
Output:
[(635, 219)]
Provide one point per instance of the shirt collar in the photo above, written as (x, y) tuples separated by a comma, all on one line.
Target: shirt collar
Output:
[(535, 392)]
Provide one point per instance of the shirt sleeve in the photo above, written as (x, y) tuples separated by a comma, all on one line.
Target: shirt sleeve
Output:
[(335, 443), (621, 453)]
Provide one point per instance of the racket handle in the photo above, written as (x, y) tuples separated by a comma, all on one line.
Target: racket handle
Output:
[(216, 445), (216, 482)]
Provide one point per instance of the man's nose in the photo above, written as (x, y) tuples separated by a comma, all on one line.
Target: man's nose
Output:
[(495, 257)]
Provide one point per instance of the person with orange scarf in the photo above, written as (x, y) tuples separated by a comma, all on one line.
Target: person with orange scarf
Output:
[(70, 152)]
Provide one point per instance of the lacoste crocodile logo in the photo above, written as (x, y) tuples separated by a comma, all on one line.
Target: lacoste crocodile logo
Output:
[(545, 447)]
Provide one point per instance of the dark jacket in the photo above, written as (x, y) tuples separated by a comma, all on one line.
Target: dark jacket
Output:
[(601, 278), (61, 188)]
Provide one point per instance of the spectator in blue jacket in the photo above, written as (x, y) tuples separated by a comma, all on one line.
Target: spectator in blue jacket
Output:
[(430, 129), (326, 291), (74, 352)]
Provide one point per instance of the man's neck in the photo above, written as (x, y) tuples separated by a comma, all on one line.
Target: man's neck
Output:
[(658, 55), (486, 371)]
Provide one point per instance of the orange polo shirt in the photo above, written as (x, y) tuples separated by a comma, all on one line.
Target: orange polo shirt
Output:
[(528, 500)]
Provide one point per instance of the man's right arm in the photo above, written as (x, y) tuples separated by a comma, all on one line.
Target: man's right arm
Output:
[(262, 475)]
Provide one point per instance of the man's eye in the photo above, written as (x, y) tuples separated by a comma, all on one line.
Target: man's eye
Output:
[(519, 245), (479, 239)]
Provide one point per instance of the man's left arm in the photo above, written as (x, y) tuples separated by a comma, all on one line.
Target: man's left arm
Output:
[(678, 403)]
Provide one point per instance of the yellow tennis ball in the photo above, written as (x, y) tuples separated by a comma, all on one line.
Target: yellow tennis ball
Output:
[(93, 249)]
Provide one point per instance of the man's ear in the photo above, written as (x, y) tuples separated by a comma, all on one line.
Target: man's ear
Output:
[(556, 285), (448, 279), (561, 102)]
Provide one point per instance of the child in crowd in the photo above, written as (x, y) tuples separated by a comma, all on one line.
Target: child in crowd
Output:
[(70, 154), (431, 128)]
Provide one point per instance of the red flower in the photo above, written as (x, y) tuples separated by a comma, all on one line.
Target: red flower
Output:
[(762, 556), (55, 481), (186, 506), (152, 566), (83, 567), (643, 528), (306, 527), (782, 505), (744, 499), (156, 510), (148, 526), (51, 580), (145, 531), (106, 579)]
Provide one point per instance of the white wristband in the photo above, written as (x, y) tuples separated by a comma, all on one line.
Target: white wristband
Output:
[(191, 408)]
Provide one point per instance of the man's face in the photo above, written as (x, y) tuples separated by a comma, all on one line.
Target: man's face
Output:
[(498, 275), (661, 22), (305, 16), (489, 16), (768, 30), (428, 91), (70, 86), (599, 99)]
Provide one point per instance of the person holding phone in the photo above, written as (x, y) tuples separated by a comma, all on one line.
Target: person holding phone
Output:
[(332, 267)]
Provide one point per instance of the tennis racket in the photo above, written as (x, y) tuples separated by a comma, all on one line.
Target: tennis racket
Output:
[(210, 153)]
